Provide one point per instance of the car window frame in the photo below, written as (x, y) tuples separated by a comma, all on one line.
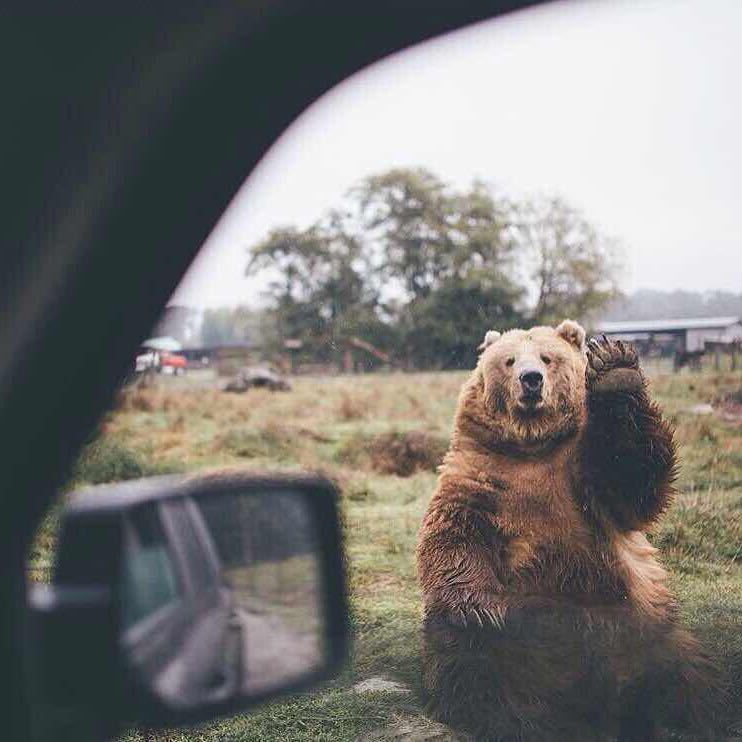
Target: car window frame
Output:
[(106, 134)]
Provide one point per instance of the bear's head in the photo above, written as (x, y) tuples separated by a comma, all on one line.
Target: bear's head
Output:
[(530, 384)]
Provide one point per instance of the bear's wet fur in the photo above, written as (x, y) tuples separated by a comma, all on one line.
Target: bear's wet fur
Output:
[(546, 613)]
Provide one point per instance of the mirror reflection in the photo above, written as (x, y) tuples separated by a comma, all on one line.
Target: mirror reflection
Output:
[(216, 601)]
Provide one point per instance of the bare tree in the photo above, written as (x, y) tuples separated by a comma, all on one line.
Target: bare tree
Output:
[(575, 269)]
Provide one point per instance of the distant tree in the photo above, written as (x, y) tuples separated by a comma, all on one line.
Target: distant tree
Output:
[(293, 258), (427, 233), (345, 287), (323, 285), (484, 235), (444, 329), (425, 269), (410, 214), (574, 268)]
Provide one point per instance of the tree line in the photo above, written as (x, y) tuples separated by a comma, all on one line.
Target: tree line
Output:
[(420, 269)]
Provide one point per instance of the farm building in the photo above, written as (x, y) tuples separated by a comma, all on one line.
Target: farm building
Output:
[(685, 339), (232, 355), (687, 334)]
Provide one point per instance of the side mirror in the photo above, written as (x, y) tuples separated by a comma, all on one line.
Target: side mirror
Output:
[(177, 599)]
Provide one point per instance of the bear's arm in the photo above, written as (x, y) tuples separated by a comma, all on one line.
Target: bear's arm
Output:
[(459, 559), (628, 451)]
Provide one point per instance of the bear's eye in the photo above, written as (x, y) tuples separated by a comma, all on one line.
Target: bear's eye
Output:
[(510, 361), (546, 360)]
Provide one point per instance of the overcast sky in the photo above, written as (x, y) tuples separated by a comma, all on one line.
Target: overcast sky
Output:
[(630, 110)]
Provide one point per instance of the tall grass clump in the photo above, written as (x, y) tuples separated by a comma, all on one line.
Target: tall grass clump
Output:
[(108, 460)]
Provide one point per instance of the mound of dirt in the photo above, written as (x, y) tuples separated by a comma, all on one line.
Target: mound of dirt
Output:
[(397, 453)]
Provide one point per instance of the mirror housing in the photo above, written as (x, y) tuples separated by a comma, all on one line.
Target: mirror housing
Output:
[(88, 657)]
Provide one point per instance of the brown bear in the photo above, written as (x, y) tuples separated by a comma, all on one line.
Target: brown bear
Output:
[(546, 614)]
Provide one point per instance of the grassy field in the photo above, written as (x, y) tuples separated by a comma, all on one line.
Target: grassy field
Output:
[(379, 437)]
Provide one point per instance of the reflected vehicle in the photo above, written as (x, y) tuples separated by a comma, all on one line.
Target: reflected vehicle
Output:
[(224, 590), (177, 615), (215, 601)]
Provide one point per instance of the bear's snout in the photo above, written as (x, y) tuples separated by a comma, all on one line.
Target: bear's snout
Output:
[(532, 383)]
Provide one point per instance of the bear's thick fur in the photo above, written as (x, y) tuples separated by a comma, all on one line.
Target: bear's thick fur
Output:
[(546, 614)]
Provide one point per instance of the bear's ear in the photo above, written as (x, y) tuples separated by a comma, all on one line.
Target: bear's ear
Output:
[(489, 338), (572, 333)]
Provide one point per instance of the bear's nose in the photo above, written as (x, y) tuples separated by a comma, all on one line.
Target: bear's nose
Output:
[(531, 381)]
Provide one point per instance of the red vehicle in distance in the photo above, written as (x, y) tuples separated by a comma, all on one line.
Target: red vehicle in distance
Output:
[(173, 363)]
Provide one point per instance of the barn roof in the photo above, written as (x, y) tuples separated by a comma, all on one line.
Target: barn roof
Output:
[(669, 325)]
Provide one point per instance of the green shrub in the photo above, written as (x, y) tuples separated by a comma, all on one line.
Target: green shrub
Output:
[(106, 460)]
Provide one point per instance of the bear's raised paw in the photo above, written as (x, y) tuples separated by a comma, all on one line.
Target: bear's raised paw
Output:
[(612, 366)]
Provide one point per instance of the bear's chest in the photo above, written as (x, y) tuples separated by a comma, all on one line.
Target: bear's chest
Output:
[(537, 503), (551, 543)]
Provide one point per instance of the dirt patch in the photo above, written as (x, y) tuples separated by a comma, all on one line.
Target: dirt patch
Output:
[(379, 684), (397, 453), (414, 730), (405, 453)]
